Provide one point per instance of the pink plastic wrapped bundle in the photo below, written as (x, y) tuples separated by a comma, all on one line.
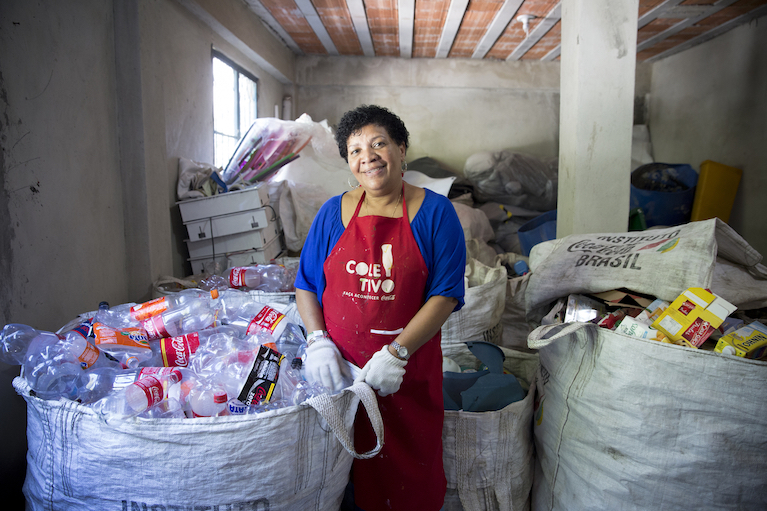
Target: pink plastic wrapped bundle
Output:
[(268, 144)]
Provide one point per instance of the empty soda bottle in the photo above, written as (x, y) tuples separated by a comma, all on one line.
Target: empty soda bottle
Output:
[(263, 277), (177, 351), (182, 299), (196, 315), (135, 391)]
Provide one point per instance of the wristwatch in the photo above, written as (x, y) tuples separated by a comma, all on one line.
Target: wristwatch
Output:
[(316, 335), (402, 351)]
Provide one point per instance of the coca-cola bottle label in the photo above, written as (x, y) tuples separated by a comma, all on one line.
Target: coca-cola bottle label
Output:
[(267, 319), (259, 385), (146, 310), (237, 276), (176, 351), (153, 389), (155, 328)]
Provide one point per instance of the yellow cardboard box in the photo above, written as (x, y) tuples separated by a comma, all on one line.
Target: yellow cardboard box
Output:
[(749, 341), (693, 316)]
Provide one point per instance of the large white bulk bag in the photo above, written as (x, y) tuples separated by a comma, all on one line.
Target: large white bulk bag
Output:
[(480, 317), (627, 423), (659, 262), (288, 459), (488, 456)]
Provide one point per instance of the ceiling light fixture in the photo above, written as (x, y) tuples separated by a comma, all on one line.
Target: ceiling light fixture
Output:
[(525, 20)]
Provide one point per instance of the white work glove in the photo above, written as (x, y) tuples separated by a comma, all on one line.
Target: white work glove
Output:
[(383, 372), (325, 365)]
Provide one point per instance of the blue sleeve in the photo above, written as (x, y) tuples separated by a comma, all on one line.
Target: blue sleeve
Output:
[(323, 235), (439, 235)]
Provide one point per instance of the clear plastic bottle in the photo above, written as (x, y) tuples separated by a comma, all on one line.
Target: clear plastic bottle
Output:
[(208, 399), (196, 315), (50, 362), (50, 373), (182, 299), (135, 391), (178, 351), (263, 277), (253, 318), (115, 317), (14, 342), (129, 345), (90, 386)]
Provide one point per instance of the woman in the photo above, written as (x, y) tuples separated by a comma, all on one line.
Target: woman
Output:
[(381, 270)]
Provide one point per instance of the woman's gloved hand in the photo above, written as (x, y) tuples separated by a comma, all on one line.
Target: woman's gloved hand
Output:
[(383, 372), (325, 364)]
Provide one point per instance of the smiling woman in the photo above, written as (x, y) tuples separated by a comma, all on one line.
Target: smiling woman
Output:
[(381, 270)]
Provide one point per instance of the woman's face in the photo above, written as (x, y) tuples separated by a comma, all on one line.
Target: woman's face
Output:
[(375, 159)]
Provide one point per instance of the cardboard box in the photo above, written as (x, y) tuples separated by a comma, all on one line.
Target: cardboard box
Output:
[(693, 316), (225, 203), (225, 225), (749, 341), (239, 242), (246, 258)]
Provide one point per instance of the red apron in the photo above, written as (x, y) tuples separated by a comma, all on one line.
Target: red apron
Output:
[(376, 281)]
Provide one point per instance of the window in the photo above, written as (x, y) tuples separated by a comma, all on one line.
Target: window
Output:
[(234, 106)]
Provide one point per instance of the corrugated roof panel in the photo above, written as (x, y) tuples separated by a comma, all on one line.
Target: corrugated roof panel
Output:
[(383, 23), (429, 19), (479, 14), (289, 16), (338, 22)]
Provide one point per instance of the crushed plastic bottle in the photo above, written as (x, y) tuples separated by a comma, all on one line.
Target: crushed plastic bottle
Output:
[(135, 391), (182, 299), (273, 278), (178, 351), (194, 316)]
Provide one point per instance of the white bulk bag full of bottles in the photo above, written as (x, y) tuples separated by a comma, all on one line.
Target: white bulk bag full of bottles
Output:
[(628, 423), (287, 459), (488, 456)]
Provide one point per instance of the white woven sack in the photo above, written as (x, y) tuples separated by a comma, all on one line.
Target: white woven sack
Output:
[(658, 262), (288, 459), (488, 456), (514, 322), (480, 317), (627, 423)]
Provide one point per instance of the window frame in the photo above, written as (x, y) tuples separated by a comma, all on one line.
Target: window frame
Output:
[(239, 70)]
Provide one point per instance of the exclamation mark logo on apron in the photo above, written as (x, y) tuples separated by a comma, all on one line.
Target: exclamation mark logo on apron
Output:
[(388, 261)]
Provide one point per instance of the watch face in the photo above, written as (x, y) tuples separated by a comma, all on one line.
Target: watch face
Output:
[(402, 352)]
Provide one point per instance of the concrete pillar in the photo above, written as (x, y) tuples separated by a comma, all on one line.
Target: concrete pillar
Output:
[(596, 115)]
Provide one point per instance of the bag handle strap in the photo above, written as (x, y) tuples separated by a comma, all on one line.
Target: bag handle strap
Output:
[(328, 410), (547, 334)]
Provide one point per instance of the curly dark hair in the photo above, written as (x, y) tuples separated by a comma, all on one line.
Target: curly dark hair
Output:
[(354, 120)]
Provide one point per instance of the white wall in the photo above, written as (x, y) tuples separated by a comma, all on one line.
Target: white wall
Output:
[(710, 103), (452, 108)]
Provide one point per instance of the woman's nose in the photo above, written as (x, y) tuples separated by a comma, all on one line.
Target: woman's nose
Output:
[(368, 154)]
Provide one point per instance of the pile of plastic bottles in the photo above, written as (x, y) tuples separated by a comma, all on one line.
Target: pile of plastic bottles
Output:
[(192, 354)]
